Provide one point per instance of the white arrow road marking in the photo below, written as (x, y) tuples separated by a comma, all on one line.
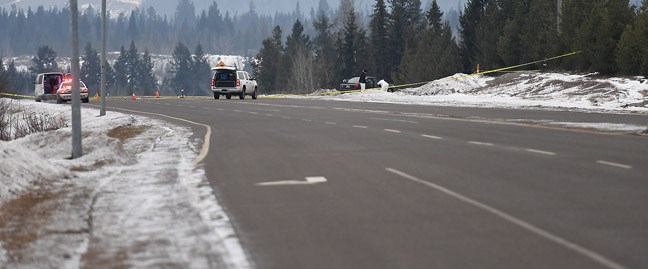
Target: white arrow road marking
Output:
[(309, 181)]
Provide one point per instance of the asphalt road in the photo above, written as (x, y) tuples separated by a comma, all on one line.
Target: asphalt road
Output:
[(322, 184)]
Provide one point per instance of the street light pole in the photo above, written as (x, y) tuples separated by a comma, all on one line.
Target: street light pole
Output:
[(77, 149), (102, 89)]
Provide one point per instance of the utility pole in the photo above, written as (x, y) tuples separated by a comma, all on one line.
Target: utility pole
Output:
[(77, 150), (102, 89)]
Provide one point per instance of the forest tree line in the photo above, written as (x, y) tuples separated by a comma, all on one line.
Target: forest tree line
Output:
[(23, 31), (402, 43), (131, 72), (405, 44)]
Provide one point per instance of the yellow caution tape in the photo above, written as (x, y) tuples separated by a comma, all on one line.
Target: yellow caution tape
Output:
[(17, 95), (500, 70)]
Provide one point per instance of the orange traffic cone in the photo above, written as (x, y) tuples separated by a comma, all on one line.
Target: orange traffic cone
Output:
[(157, 94), (134, 98)]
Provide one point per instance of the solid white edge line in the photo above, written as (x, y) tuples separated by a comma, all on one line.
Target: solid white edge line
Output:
[(392, 131), (480, 143), (205, 147), (525, 225), (431, 136), (541, 152), (618, 165)]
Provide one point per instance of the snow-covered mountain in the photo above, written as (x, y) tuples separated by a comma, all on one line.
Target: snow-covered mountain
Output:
[(115, 6)]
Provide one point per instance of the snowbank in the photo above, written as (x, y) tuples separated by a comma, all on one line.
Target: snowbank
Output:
[(133, 200), (520, 90)]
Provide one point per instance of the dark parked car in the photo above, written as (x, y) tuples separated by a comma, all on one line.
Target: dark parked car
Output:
[(353, 84)]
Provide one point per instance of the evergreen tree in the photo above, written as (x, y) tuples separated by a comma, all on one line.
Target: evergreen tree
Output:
[(185, 13), (574, 14), (121, 72), (630, 51), (133, 30), (133, 68), (45, 61), (488, 33), (363, 52), (297, 42), (181, 67), (5, 84), (540, 32), (110, 78), (91, 69), (379, 39), (600, 33), (268, 61), (348, 47), (147, 80), (406, 28), (509, 45), (324, 50), (297, 39), (201, 71), (438, 55), (642, 29), (469, 21)]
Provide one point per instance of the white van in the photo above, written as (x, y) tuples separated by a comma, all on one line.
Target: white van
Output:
[(46, 85)]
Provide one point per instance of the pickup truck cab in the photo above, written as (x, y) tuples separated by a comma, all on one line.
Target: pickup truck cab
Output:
[(229, 81)]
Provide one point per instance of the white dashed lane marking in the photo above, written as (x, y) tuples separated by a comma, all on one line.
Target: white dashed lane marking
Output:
[(360, 126), (541, 152), (432, 136), (480, 143), (330, 123), (392, 131), (306, 120), (618, 165)]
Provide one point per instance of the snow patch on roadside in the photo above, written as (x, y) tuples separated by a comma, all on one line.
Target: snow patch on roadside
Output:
[(519, 90), (604, 126), (135, 201)]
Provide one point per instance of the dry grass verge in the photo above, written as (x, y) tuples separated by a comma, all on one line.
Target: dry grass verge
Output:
[(124, 133), (22, 218), (16, 123)]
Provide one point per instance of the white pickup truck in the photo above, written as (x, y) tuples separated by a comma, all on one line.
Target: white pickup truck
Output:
[(229, 81)]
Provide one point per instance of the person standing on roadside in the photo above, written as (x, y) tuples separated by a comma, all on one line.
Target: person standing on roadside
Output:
[(363, 79)]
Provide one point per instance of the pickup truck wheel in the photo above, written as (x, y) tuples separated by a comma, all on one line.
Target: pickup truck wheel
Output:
[(242, 94), (216, 96), (59, 100), (254, 94), (228, 96)]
